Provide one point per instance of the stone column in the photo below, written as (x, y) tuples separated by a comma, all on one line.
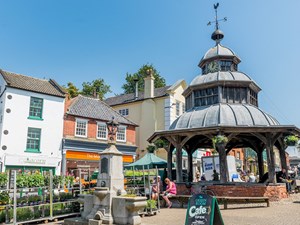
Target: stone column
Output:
[(223, 163), (190, 166), (260, 162), (179, 163), (170, 163)]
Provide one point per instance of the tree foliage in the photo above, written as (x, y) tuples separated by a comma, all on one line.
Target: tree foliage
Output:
[(97, 87), (129, 86), (72, 90)]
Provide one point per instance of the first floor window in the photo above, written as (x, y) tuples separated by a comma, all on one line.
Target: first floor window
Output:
[(36, 107), (81, 128), (124, 112), (33, 139), (102, 131), (121, 134)]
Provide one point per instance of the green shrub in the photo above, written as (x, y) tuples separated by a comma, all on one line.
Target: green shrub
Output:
[(4, 198), (151, 204), (3, 179), (291, 140)]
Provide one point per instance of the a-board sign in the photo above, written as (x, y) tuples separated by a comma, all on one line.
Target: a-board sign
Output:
[(203, 210)]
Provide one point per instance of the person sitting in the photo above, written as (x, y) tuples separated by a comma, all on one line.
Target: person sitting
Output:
[(215, 176), (170, 191), (252, 178), (155, 188), (203, 178)]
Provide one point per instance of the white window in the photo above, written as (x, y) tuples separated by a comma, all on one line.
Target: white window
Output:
[(102, 131), (124, 112), (81, 128), (121, 134), (177, 108), (183, 108)]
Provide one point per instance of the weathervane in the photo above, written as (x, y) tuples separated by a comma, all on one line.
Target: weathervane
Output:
[(216, 18)]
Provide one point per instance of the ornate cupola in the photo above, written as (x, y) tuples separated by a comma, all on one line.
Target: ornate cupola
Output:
[(223, 92)]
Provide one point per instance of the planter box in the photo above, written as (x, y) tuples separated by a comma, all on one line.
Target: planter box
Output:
[(125, 209)]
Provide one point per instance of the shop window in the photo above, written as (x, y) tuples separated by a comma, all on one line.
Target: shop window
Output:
[(121, 134), (36, 108), (81, 128), (33, 140), (102, 131)]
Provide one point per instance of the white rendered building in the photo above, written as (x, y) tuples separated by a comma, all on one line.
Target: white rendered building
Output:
[(31, 123)]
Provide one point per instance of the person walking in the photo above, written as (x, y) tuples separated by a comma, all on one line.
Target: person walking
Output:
[(170, 191)]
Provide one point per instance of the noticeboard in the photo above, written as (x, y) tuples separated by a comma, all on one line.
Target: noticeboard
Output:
[(203, 210)]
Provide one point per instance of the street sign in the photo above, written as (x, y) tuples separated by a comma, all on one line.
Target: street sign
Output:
[(203, 210)]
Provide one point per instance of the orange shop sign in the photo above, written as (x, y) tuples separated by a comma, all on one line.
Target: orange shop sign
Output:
[(92, 156)]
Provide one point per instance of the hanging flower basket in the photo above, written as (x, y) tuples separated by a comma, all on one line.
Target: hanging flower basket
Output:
[(219, 140), (291, 140)]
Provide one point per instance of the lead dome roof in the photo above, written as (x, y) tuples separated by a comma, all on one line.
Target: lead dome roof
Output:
[(224, 114), (218, 50), (220, 76)]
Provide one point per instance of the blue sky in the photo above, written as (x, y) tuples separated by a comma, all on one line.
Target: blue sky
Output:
[(81, 41)]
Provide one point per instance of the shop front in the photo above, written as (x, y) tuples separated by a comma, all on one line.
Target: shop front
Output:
[(80, 158), (84, 164), (31, 164)]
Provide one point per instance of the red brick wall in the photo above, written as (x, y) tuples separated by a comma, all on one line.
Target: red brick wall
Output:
[(70, 123), (274, 192)]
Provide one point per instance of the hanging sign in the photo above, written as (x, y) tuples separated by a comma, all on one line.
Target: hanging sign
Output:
[(203, 210)]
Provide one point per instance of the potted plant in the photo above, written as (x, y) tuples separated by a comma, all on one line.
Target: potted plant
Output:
[(151, 206), (4, 198), (291, 140)]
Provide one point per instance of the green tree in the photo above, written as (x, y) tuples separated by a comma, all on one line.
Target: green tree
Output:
[(95, 87), (72, 90), (129, 86)]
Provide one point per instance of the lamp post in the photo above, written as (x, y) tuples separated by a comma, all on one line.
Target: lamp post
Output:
[(113, 127)]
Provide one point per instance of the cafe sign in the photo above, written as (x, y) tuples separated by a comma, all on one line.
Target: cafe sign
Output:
[(203, 210)]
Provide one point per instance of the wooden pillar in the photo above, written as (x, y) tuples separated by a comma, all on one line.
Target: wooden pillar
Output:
[(223, 163), (283, 160), (270, 159), (170, 155), (190, 166), (260, 162), (179, 163)]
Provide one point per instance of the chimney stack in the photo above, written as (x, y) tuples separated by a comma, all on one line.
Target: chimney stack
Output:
[(136, 80), (149, 84)]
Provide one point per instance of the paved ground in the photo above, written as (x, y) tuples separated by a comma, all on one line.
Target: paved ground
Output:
[(284, 212)]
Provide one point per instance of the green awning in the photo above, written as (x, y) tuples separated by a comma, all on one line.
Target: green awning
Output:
[(150, 160)]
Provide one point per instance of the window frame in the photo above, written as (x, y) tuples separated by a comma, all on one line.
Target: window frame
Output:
[(124, 112), (125, 136), (34, 150), (86, 127), (41, 109), (97, 131)]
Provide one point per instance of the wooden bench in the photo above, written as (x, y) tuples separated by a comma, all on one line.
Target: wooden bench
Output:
[(240, 200), (181, 199)]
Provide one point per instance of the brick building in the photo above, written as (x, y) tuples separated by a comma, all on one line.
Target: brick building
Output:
[(85, 135)]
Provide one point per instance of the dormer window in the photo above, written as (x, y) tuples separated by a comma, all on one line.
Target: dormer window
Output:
[(226, 65)]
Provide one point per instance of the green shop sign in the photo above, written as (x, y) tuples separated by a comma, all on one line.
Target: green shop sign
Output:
[(203, 210)]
